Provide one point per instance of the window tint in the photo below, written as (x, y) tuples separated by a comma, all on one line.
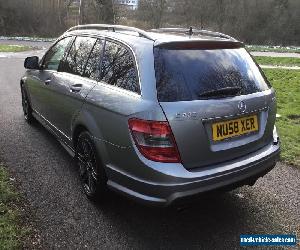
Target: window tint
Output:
[(92, 69), (118, 67), (184, 75), (78, 55), (55, 54)]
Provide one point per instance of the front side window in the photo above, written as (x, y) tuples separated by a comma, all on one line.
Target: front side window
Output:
[(118, 67), (78, 55), (54, 56)]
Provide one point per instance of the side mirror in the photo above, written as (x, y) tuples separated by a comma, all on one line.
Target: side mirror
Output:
[(32, 63)]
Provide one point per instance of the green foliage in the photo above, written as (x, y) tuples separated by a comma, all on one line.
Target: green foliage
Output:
[(287, 86), (13, 48)]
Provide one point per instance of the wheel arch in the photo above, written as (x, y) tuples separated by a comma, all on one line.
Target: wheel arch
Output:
[(77, 131), (86, 122), (23, 83), (23, 80)]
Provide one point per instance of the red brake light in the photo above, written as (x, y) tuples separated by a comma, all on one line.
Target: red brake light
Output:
[(154, 140)]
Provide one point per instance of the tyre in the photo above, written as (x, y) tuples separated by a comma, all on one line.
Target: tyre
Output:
[(92, 175), (27, 110)]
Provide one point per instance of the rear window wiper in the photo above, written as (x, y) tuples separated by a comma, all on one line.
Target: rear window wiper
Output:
[(221, 92)]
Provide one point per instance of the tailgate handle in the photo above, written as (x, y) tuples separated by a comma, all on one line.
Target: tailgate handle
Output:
[(76, 88)]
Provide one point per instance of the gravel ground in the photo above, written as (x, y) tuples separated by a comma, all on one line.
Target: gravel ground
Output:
[(67, 220)]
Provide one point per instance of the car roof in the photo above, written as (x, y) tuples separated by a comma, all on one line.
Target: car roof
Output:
[(139, 38), (162, 38), (129, 38)]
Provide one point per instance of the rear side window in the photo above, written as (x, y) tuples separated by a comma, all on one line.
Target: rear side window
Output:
[(92, 68), (78, 55), (54, 56), (190, 74), (118, 67)]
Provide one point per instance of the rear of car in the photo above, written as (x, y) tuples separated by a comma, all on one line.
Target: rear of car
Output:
[(217, 101), (168, 117), (219, 129)]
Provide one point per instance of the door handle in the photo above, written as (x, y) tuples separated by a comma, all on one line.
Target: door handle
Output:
[(47, 82), (76, 88)]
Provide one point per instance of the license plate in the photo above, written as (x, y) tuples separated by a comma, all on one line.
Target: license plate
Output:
[(237, 127)]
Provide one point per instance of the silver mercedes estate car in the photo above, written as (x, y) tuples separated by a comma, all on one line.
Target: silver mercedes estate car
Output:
[(159, 116)]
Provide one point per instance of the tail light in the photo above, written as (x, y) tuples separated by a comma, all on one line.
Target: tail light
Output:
[(154, 140)]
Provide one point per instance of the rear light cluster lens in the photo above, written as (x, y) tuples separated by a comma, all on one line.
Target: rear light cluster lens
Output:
[(154, 140)]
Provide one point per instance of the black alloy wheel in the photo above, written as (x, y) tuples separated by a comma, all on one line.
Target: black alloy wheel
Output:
[(92, 174)]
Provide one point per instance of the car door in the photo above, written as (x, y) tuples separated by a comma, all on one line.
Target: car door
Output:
[(73, 81), (40, 82)]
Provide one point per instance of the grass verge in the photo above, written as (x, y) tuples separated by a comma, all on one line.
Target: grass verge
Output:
[(13, 48), (10, 231), (278, 61), (287, 86), (16, 230)]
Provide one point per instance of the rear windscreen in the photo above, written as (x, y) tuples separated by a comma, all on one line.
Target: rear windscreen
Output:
[(188, 74)]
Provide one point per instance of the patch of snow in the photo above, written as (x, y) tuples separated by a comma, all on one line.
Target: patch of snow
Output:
[(31, 39), (262, 47), (279, 67)]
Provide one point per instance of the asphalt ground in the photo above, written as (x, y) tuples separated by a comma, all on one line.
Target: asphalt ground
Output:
[(65, 219)]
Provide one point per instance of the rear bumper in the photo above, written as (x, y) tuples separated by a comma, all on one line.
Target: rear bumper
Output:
[(167, 187)]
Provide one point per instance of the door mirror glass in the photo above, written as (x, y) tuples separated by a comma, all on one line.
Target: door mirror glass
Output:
[(31, 62)]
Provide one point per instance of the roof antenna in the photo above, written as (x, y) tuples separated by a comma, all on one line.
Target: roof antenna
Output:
[(191, 31)]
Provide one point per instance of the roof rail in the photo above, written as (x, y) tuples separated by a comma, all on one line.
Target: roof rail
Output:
[(113, 28), (191, 31)]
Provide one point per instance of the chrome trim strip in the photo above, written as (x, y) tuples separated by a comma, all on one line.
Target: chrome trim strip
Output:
[(47, 121), (118, 146), (236, 115)]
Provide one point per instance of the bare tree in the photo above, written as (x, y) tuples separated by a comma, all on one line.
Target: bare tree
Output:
[(105, 10), (152, 11), (252, 21)]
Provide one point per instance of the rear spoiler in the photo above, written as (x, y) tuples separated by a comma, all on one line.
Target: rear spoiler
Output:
[(200, 44)]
